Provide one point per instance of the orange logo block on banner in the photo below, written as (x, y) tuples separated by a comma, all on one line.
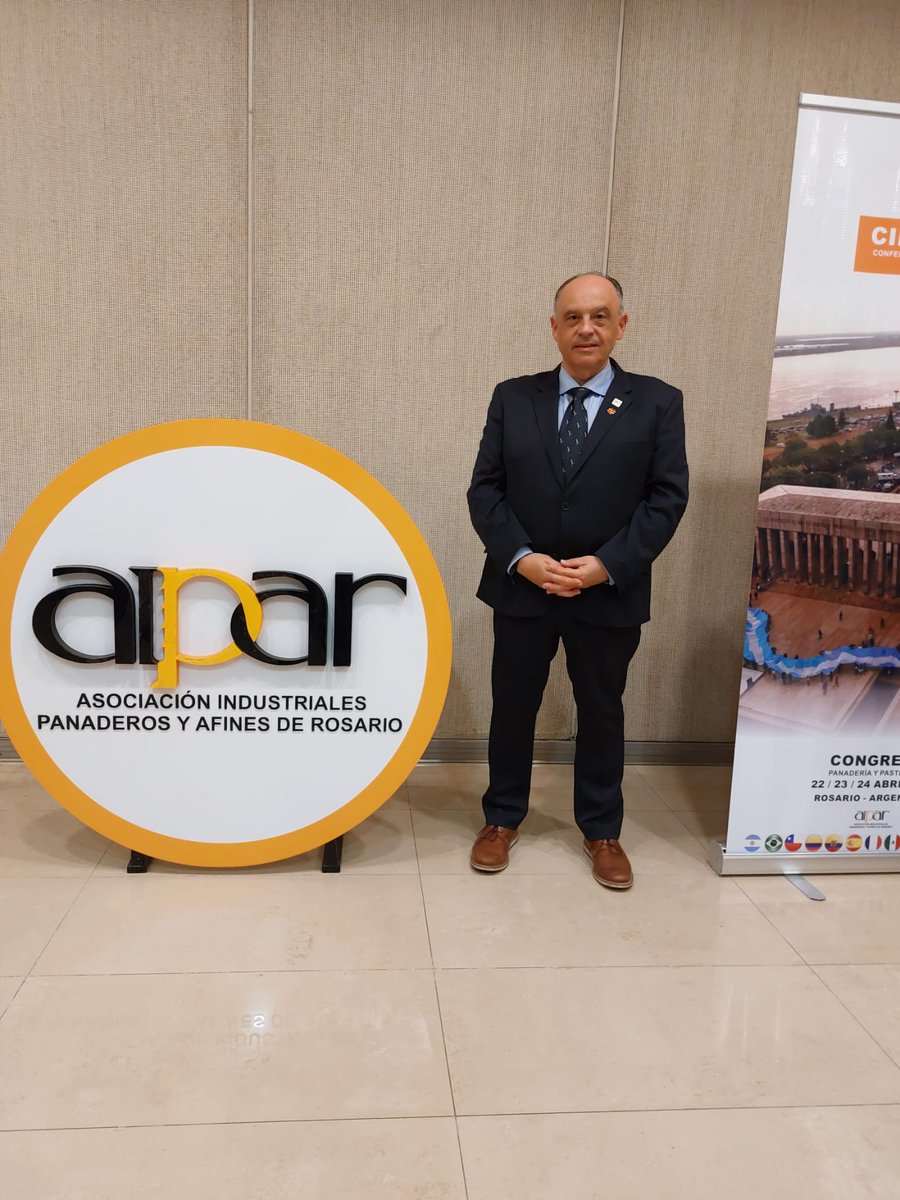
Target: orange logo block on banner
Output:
[(878, 246)]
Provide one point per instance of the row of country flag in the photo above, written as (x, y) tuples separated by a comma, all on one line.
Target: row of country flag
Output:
[(775, 842)]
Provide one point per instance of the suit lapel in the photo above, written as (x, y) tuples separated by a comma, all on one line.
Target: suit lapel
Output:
[(608, 415), (545, 400)]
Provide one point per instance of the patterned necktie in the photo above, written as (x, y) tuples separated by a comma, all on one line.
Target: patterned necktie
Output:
[(573, 430)]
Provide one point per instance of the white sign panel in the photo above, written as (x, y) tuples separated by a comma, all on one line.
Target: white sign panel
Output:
[(225, 643)]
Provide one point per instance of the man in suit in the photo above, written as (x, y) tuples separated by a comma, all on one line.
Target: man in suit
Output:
[(580, 481)]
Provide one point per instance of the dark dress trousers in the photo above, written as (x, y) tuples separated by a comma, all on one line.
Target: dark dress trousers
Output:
[(622, 502)]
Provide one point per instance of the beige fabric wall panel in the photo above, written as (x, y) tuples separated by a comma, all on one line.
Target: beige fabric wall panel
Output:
[(707, 121), (124, 184), (426, 173)]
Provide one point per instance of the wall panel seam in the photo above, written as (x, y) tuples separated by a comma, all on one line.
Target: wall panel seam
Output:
[(250, 199), (613, 134)]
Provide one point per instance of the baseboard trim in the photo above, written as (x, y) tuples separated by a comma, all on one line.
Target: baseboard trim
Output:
[(548, 750)]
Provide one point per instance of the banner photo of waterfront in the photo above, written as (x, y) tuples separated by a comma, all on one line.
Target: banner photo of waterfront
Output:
[(865, 377)]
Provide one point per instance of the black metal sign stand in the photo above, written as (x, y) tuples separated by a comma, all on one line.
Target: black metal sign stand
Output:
[(332, 851), (331, 855)]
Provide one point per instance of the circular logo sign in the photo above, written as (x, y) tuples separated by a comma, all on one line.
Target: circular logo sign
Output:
[(223, 643)]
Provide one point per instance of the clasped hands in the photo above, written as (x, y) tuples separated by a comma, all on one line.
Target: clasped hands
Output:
[(569, 577)]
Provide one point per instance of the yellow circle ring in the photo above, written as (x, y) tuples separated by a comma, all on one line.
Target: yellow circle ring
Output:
[(251, 435)]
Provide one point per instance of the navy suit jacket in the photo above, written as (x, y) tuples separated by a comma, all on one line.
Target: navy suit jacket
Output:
[(622, 502)]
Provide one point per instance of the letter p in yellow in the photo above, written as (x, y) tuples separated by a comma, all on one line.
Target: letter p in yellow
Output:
[(173, 579)]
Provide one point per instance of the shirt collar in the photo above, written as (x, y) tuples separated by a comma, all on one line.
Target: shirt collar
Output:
[(599, 385)]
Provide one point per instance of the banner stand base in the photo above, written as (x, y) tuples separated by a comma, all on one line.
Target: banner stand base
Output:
[(802, 884), (138, 864), (823, 863)]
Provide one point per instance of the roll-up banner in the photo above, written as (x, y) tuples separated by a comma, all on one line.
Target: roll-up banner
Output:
[(816, 783)]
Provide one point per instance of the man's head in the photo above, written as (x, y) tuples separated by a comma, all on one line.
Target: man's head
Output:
[(588, 319)]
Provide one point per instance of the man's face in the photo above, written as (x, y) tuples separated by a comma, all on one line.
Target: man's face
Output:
[(586, 324)]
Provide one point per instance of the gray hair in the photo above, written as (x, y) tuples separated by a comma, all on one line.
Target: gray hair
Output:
[(599, 275)]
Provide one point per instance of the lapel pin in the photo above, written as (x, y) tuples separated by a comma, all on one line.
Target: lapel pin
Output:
[(617, 403), (611, 411)]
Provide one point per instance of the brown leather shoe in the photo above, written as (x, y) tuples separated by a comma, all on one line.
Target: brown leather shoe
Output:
[(492, 847), (611, 865)]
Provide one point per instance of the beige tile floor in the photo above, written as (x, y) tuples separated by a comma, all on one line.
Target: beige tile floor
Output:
[(412, 1029)]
